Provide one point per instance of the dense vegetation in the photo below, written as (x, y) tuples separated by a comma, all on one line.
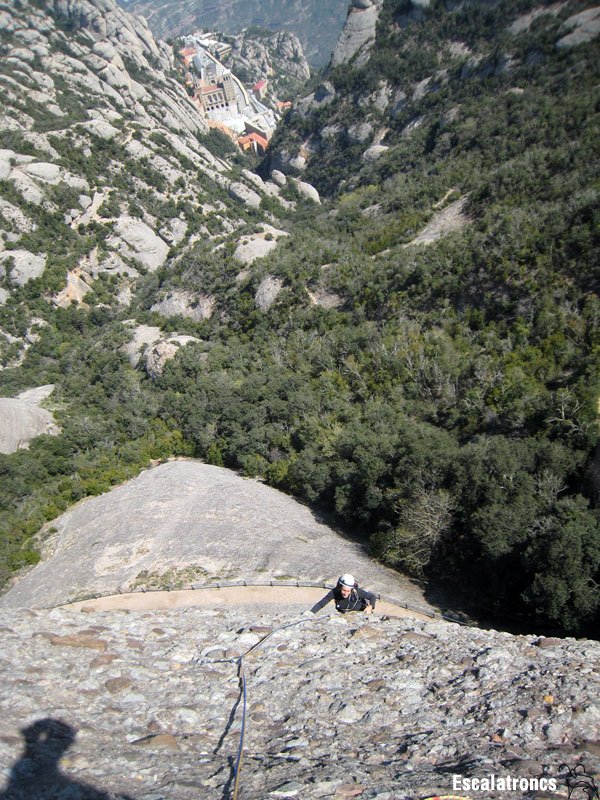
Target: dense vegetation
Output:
[(446, 411)]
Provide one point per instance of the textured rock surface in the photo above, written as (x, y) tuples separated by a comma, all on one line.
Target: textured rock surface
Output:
[(258, 245), (21, 265), (147, 705), (267, 292), (185, 304), (277, 56), (358, 32), (315, 22), (443, 223), (139, 242), (582, 27), (150, 348), (21, 419), (308, 191), (183, 515)]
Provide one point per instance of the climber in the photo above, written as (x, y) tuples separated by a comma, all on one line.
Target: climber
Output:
[(348, 597)]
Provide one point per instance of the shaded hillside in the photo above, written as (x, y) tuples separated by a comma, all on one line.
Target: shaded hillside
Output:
[(316, 24)]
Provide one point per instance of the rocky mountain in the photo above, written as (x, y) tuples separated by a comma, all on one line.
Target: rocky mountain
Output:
[(104, 162), (276, 56), (395, 324), (412, 351), (396, 74), (316, 24)]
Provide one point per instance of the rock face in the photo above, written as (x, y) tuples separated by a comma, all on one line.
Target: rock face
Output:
[(582, 27), (277, 56), (258, 245), (152, 349), (187, 514), (443, 223), (108, 158), (185, 304), (21, 419), (358, 33), (316, 23), (147, 706), (21, 265), (267, 292), (137, 241)]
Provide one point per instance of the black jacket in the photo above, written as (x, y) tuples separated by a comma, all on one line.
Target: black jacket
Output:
[(356, 602)]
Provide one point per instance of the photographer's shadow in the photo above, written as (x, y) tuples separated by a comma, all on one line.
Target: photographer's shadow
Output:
[(37, 776)]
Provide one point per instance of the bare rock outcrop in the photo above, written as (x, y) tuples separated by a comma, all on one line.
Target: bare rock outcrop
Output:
[(138, 241), (258, 245), (277, 56), (185, 304), (21, 265), (267, 292), (582, 27), (22, 419), (308, 191), (358, 33), (452, 218), (187, 514), (151, 348)]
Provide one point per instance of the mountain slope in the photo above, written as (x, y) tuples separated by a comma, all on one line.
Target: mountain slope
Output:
[(316, 24), (190, 519), (415, 351), (459, 147)]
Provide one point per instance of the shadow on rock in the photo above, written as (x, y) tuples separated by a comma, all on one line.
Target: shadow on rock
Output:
[(36, 775)]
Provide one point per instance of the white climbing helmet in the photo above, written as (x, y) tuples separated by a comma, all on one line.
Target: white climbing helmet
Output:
[(347, 580)]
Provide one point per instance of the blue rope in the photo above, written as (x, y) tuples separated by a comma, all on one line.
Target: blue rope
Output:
[(240, 751)]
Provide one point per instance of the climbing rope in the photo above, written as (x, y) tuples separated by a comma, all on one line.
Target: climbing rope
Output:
[(240, 752), (239, 660)]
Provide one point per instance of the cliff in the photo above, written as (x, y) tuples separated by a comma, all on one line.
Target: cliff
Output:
[(148, 705)]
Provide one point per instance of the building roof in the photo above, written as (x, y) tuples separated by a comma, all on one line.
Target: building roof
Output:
[(254, 137), (259, 85)]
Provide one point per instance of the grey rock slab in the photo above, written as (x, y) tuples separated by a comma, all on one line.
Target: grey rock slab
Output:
[(187, 514), (358, 31), (278, 177), (583, 27), (241, 192), (185, 304), (267, 291), (134, 239), (24, 265), (20, 422), (308, 191), (374, 152)]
